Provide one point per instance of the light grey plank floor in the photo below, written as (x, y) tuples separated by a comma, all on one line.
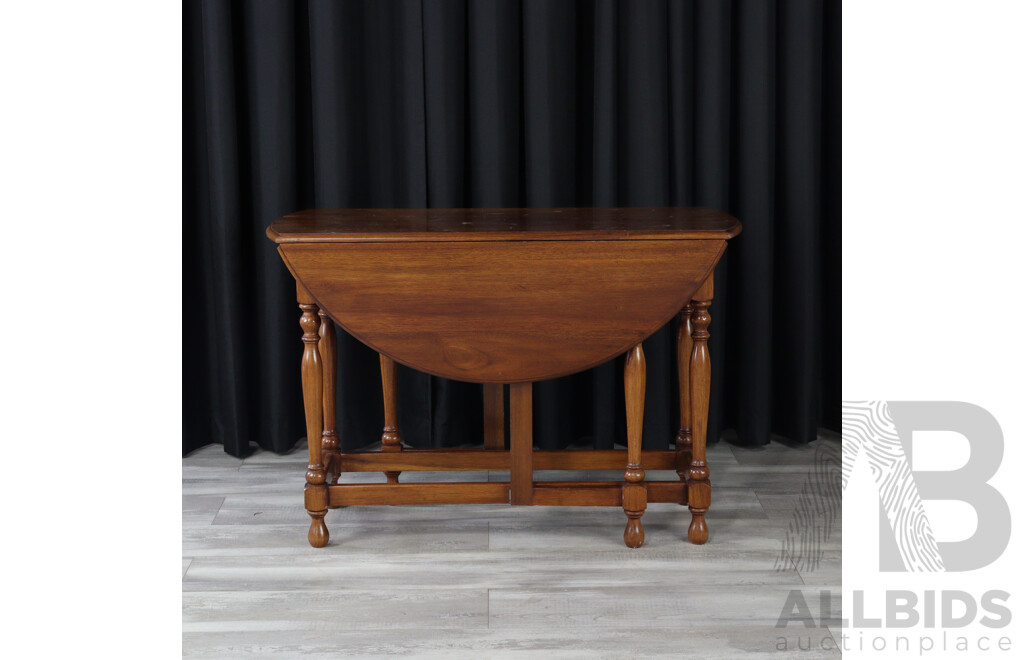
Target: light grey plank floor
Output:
[(499, 581)]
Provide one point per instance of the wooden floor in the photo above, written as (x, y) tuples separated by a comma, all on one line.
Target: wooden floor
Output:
[(493, 580)]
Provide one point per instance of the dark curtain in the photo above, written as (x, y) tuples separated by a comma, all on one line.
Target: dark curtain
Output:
[(293, 105)]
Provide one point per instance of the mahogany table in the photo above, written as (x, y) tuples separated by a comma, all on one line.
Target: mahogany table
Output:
[(498, 296)]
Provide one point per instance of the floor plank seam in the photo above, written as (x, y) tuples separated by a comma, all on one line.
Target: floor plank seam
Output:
[(219, 507), (758, 498)]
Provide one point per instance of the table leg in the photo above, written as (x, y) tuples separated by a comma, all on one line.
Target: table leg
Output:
[(391, 439), (521, 427), (698, 485), (494, 416), (312, 396), (328, 351), (684, 439), (634, 492)]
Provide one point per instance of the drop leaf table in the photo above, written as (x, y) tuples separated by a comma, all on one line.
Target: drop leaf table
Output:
[(506, 296)]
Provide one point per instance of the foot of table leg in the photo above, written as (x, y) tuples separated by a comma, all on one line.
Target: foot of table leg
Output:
[(634, 503), (391, 439), (634, 493), (698, 485), (698, 531), (312, 397), (318, 535)]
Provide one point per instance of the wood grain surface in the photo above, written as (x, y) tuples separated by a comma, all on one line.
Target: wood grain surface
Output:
[(416, 225), (502, 311)]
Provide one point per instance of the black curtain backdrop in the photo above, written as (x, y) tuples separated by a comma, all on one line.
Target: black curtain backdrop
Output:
[(293, 105)]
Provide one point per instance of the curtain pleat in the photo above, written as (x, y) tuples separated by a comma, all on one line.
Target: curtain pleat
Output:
[(797, 264), (490, 103), (753, 199)]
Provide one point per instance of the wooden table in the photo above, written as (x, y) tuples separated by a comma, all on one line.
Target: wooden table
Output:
[(498, 296)]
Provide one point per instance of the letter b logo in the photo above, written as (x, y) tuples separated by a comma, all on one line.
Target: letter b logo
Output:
[(883, 431)]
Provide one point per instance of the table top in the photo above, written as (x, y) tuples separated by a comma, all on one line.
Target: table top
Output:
[(417, 225), (502, 295)]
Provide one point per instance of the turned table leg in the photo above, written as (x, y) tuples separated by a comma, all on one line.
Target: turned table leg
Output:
[(312, 396), (328, 351), (684, 439), (698, 485), (391, 439), (634, 492)]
